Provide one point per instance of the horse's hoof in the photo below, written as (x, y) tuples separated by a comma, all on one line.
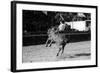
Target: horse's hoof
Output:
[(46, 46), (49, 45), (57, 55)]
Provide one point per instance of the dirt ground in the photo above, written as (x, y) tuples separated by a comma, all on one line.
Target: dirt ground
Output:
[(40, 53)]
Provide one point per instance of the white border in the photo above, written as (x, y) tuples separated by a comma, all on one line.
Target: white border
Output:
[(35, 65)]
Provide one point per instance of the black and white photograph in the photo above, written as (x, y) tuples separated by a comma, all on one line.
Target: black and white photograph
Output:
[(54, 35)]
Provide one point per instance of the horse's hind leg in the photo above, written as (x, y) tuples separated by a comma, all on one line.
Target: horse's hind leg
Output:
[(60, 48)]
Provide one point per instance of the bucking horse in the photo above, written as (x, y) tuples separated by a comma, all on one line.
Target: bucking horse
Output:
[(60, 39)]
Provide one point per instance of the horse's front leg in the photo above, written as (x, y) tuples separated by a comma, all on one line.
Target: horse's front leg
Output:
[(50, 43), (47, 42)]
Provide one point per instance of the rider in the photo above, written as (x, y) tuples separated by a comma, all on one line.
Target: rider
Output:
[(62, 26)]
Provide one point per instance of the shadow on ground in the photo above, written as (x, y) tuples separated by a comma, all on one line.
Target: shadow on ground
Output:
[(74, 56)]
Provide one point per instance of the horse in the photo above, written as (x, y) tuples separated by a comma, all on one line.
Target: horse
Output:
[(60, 39)]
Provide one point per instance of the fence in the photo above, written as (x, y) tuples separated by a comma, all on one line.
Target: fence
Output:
[(41, 38)]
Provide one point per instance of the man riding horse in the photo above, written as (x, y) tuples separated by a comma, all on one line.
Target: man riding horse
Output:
[(58, 29)]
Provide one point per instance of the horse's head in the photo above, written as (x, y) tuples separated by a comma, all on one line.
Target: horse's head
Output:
[(52, 31)]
